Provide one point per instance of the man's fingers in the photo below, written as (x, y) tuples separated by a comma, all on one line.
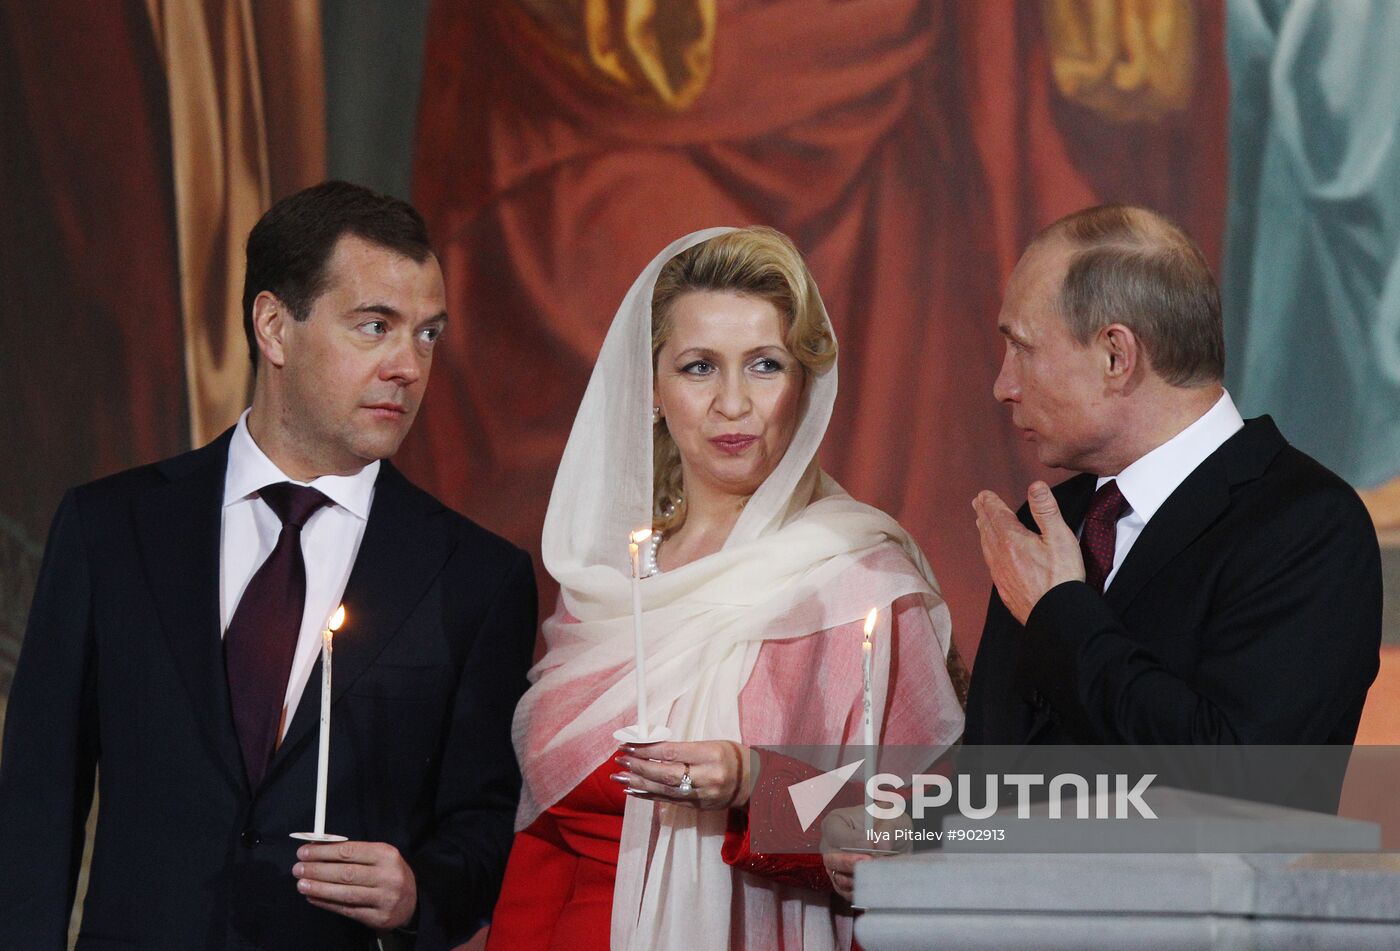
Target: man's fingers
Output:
[(997, 527), (843, 862), (841, 869), (986, 537), (997, 517), (363, 853), (1045, 510), (355, 896), (368, 882), (845, 885), (842, 828), (343, 873)]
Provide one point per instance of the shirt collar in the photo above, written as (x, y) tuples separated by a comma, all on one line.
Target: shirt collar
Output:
[(249, 470), (1149, 481)]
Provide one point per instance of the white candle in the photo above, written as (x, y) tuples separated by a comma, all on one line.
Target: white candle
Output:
[(634, 547), (324, 757), (868, 716)]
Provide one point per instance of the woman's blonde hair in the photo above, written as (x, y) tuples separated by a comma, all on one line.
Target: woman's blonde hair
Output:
[(758, 262)]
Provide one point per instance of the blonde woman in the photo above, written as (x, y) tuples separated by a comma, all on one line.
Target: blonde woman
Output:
[(702, 419)]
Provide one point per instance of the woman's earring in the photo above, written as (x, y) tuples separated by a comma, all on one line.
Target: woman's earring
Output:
[(655, 414)]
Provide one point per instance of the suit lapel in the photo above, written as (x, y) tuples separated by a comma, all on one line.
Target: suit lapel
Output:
[(1073, 496), (179, 526), (401, 554), (1195, 505)]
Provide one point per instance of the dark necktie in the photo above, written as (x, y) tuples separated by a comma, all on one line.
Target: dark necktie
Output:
[(1100, 533), (262, 637)]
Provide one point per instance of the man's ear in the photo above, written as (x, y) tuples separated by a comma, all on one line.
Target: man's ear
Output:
[(1121, 352), (271, 320)]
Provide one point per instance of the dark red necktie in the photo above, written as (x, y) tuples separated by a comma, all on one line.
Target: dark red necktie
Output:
[(262, 637), (1100, 533)]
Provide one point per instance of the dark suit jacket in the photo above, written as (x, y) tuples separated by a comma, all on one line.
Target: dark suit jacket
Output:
[(1247, 612), (121, 672)]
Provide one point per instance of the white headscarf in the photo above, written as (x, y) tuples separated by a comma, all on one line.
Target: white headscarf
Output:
[(784, 572)]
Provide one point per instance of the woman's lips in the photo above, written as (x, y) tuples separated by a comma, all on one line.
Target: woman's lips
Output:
[(733, 443)]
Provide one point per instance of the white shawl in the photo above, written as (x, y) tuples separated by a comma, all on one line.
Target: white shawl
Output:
[(784, 572)]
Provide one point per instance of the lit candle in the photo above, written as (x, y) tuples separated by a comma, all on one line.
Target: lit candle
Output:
[(634, 547), (866, 648), (868, 716), (324, 759)]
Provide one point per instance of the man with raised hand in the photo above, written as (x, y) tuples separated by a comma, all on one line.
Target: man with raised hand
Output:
[(1201, 581)]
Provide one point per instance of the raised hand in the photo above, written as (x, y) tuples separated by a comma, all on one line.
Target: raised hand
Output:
[(1025, 565)]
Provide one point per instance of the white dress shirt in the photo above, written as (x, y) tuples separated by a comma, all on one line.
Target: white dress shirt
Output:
[(330, 540), (1148, 482)]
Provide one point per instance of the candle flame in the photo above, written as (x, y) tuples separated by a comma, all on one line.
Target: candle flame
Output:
[(337, 619), (640, 535), (870, 623)]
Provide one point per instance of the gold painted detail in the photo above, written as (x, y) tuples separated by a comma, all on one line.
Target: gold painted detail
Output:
[(660, 53), (1128, 60)]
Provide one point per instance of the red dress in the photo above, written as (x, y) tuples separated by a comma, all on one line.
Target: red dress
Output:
[(559, 880), (558, 887)]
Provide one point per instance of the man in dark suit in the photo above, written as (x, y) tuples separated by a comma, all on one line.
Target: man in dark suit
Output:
[(173, 646), (1201, 582), (1223, 588)]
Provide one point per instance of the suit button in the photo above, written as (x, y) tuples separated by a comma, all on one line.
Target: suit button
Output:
[(250, 838)]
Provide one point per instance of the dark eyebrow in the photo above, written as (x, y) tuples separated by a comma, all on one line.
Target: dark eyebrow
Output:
[(384, 310), (1009, 334)]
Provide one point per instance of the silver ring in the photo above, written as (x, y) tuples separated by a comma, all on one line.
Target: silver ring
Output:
[(685, 787)]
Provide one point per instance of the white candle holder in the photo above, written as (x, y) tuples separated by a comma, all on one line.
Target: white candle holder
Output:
[(318, 837), (633, 734)]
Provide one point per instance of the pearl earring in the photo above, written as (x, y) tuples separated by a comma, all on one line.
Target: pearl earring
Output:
[(656, 414)]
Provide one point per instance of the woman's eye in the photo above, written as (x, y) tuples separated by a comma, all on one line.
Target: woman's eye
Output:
[(698, 368), (768, 365)]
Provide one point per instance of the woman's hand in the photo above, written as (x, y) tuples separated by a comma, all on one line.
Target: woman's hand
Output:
[(718, 771)]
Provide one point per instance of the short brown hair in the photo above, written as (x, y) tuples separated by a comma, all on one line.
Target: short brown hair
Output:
[(1134, 267), (289, 247), (758, 262)]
